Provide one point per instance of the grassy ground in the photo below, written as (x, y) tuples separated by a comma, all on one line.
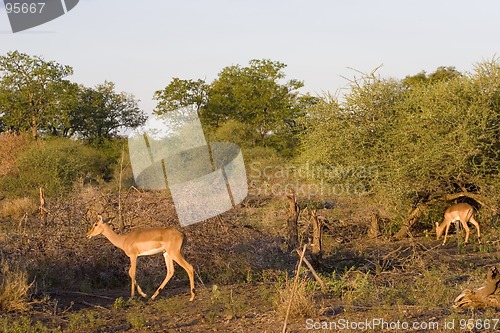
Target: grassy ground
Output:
[(244, 274)]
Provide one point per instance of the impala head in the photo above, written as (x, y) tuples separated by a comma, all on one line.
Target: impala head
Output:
[(97, 228), (439, 231)]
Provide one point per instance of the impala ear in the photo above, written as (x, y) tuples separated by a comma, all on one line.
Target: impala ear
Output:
[(106, 220), (437, 224), (109, 219)]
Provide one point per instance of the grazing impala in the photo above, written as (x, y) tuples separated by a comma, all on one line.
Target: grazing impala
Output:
[(145, 242), (462, 212)]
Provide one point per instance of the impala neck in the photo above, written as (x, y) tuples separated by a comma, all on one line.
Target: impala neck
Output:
[(113, 237), (440, 228)]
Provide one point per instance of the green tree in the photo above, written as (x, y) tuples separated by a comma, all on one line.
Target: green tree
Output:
[(442, 73), (255, 101), (256, 95), (64, 106), (28, 89), (102, 112), (417, 144), (181, 93)]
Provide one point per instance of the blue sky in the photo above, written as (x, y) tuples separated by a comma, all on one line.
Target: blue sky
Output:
[(141, 45)]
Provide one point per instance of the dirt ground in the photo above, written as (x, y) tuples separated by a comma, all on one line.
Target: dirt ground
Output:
[(244, 277), (251, 307)]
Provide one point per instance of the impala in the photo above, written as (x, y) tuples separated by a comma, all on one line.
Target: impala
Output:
[(146, 242), (462, 212)]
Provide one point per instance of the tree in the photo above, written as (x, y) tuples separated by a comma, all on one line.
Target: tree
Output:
[(411, 145), (101, 112), (255, 99), (254, 95), (27, 91), (442, 73), (181, 93), (63, 109)]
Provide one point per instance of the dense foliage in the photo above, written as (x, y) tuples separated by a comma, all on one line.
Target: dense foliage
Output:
[(394, 142), (35, 96), (416, 138), (56, 164), (254, 104)]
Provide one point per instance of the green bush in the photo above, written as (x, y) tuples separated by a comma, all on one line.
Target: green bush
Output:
[(55, 165), (408, 142)]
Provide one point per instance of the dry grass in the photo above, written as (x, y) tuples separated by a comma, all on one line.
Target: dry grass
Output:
[(303, 303), (363, 277), (17, 208), (14, 289)]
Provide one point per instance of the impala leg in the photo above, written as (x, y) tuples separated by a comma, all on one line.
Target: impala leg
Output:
[(170, 272), (467, 231), (189, 270), (446, 232), (131, 273), (474, 222), (143, 294)]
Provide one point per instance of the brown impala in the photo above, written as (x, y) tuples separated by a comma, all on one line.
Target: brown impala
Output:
[(146, 242), (462, 212)]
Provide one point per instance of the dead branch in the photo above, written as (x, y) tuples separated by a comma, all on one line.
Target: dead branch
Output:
[(292, 223), (373, 230), (294, 286), (120, 213), (312, 270), (486, 296), (316, 246), (42, 208)]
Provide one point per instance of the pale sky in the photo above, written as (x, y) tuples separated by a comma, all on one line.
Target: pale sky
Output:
[(141, 45)]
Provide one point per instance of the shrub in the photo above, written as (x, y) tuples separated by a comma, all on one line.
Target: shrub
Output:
[(10, 146), (55, 165), (14, 289), (137, 321), (303, 304), (236, 132), (16, 208)]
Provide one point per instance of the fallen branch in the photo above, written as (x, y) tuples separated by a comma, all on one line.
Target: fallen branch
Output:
[(294, 287), (89, 295), (484, 297), (313, 272), (94, 305)]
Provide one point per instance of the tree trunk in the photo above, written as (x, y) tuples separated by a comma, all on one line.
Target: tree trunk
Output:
[(292, 228), (316, 246), (373, 230), (34, 127)]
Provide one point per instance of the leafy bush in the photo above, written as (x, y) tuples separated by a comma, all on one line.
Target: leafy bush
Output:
[(55, 165), (10, 146), (236, 132), (415, 141)]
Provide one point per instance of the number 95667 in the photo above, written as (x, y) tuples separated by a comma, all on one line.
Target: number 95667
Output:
[(24, 7)]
